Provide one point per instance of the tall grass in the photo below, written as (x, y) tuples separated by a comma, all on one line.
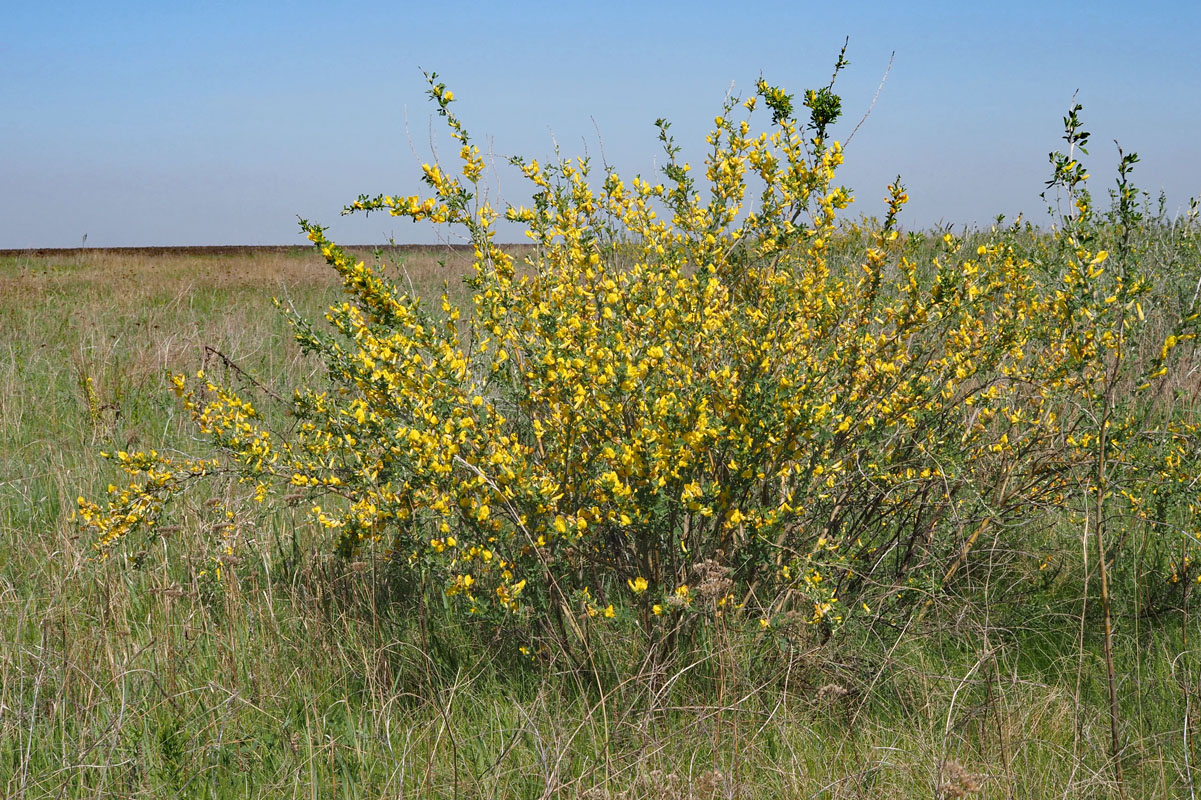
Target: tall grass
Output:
[(301, 675)]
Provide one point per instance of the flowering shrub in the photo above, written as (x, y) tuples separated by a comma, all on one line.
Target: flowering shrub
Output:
[(709, 376)]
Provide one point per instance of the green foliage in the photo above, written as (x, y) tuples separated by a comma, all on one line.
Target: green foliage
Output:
[(301, 673), (680, 406)]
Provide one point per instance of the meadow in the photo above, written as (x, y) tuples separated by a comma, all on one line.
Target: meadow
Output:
[(739, 506), (120, 679)]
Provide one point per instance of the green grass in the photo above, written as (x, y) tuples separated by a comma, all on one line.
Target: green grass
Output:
[(304, 676)]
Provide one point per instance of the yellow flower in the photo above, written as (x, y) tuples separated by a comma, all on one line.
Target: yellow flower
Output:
[(638, 585)]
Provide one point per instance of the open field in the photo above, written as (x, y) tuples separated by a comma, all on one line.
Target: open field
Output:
[(297, 677)]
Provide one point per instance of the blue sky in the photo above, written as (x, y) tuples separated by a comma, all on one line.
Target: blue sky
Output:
[(220, 123)]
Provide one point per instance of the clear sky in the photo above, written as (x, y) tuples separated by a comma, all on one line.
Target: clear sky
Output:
[(221, 122)]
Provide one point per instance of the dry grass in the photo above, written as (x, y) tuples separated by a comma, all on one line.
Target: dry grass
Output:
[(132, 679), (167, 270)]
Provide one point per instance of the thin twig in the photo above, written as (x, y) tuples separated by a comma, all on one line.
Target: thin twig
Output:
[(879, 89)]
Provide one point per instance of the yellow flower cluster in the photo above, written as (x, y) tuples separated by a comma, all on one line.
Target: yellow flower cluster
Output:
[(677, 377)]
